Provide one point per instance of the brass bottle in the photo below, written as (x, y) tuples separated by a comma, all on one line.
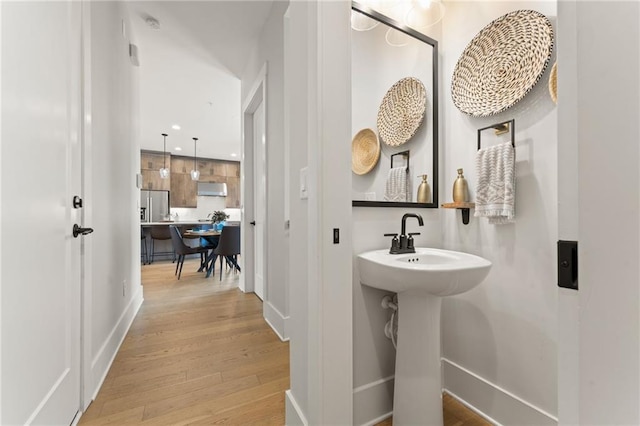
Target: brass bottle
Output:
[(424, 191), (460, 189)]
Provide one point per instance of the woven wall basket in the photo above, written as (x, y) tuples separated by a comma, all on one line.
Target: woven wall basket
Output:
[(502, 63), (401, 111), (553, 83), (365, 151)]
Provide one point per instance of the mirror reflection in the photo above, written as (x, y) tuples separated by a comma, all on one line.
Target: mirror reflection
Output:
[(394, 113)]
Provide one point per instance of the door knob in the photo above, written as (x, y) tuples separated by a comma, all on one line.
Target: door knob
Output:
[(253, 222), (80, 231)]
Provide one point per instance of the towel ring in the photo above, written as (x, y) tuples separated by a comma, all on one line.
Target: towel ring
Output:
[(500, 128), (404, 154)]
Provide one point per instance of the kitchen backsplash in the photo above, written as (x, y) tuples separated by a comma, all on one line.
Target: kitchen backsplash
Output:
[(206, 205)]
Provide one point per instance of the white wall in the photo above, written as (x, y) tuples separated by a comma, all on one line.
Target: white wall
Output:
[(296, 73), (206, 205), (270, 50), (112, 158), (318, 86), (500, 339)]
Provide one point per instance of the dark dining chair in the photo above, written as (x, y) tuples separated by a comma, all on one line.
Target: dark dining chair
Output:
[(183, 233), (143, 248), (182, 249), (160, 232), (228, 247)]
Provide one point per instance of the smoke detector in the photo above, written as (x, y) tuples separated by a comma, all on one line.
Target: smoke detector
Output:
[(152, 22)]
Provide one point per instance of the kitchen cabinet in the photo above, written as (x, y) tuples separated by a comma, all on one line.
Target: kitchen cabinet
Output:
[(219, 168), (232, 169), (183, 190), (233, 192), (152, 160), (150, 165), (181, 165), (205, 167)]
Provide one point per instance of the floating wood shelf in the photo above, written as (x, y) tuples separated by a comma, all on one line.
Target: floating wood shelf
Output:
[(463, 206)]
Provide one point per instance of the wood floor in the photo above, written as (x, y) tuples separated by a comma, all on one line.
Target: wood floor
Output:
[(200, 352), (455, 414)]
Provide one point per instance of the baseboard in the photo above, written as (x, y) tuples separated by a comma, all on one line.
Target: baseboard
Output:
[(276, 320), (490, 401), (294, 414), (373, 402), (102, 361)]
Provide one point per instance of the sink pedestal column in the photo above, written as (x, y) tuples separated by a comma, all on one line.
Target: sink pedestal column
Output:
[(418, 386)]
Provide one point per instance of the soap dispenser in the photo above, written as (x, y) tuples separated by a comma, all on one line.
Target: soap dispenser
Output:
[(424, 191), (460, 189)]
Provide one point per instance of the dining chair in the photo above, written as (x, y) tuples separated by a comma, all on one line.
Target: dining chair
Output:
[(161, 233), (182, 249), (143, 248), (228, 247), (183, 233)]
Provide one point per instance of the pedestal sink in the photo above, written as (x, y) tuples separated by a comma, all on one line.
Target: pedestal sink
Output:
[(421, 279)]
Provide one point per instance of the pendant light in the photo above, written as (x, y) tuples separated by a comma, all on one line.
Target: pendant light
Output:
[(195, 173), (164, 172), (424, 14)]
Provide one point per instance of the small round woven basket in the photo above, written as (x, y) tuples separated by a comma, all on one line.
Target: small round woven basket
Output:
[(365, 151), (502, 63), (402, 111), (553, 83)]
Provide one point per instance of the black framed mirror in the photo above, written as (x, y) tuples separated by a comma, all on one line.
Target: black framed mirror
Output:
[(384, 53)]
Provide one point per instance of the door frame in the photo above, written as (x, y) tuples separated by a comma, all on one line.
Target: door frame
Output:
[(87, 387), (256, 96)]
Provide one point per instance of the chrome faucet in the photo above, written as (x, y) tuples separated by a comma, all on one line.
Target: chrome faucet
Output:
[(405, 243)]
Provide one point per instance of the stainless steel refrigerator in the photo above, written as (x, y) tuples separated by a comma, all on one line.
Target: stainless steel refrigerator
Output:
[(154, 206)]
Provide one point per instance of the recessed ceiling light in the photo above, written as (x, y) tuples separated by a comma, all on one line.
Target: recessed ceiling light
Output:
[(177, 148), (175, 127), (234, 154)]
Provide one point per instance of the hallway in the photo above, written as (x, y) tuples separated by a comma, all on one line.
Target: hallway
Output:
[(198, 352)]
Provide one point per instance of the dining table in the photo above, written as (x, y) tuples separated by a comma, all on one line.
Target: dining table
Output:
[(211, 236)]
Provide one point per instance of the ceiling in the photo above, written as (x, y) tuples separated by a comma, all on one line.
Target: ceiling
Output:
[(190, 69)]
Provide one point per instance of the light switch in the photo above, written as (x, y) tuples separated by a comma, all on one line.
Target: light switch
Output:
[(303, 184)]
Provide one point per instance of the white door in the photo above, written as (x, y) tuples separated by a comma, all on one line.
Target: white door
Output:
[(40, 174), (260, 197)]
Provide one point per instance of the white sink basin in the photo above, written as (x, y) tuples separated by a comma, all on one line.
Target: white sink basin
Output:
[(420, 279), (438, 272)]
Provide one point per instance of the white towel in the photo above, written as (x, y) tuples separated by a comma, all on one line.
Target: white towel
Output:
[(496, 191), (397, 187)]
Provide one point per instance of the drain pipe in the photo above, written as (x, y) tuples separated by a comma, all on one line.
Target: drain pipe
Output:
[(391, 327)]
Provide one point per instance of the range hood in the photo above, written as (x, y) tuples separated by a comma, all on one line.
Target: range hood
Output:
[(212, 189)]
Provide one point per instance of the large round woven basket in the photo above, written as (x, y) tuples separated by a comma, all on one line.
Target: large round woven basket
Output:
[(502, 63), (365, 151), (401, 111), (553, 83)]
